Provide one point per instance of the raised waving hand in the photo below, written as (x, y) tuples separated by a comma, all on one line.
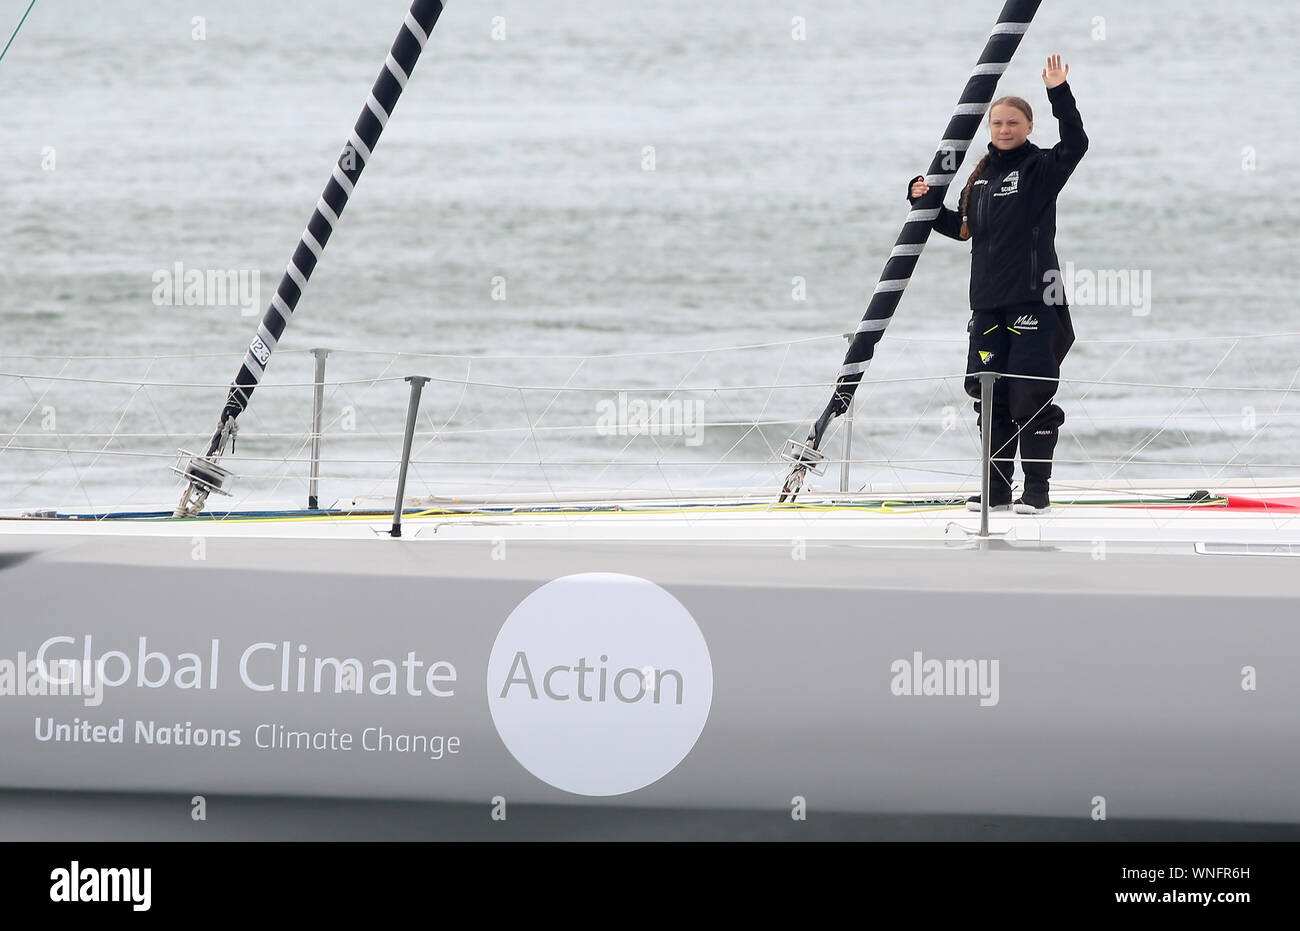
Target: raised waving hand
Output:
[(1054, 75)]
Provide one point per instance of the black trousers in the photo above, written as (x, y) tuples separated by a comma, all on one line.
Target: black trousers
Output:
[(1020, 339)]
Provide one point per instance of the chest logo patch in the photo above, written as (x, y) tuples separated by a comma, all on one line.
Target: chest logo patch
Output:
[(1010, 184)]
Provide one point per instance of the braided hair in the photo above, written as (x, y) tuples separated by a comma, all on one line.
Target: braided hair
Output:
[(1023, 106)]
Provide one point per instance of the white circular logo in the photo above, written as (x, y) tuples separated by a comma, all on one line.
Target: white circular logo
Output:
[(600, 683)]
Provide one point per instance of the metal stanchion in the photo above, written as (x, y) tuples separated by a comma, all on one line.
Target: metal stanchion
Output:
[(986, 446), (412, 408), (848, 447), (317, 403)]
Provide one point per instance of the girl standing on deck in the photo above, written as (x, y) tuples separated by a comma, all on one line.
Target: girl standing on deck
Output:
[(1019, 325)]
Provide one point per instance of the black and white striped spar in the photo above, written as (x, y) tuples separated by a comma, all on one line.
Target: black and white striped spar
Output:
[(399, 64), (1003, 41)]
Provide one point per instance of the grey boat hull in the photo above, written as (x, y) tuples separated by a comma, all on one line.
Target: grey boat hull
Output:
[(1156, 682)]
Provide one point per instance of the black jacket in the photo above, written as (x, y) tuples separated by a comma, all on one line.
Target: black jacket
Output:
[(1012, 212)]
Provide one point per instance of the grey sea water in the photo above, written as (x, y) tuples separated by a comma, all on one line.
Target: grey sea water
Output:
[(515, 167)]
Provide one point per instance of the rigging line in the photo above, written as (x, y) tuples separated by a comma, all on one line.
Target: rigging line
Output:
[(1224, 434), (588, 427), (968, 432), (587, 463), (304, 441), (1184, 339), (1160, 428), (938, 389), (135, 358), (1276, 413), (157, 413), (397, 452), (659, 461), (531, 426), (659, 466), (33, 483), (1151, 437), (1277, 410), (339, 387), (1097, 431), (751, 427), (33, 408), (773, 455), (1080, 399), (14, 435), (534, 424), (1109, 369), (393, 463), (632, 437), (1082, 341), (125, 410), (188, 384), (439, 433), (284, 474), (630, 389), (16, 28), (126, 407), (541, 463), (509, 357), (939, 436)]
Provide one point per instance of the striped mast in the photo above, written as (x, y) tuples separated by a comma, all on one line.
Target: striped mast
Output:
[(1002, 43), (202, 473)]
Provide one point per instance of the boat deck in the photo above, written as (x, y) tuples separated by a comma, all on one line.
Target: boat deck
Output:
[(1234, 517)]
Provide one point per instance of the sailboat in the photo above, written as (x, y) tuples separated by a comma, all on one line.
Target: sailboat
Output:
[(863, 651)]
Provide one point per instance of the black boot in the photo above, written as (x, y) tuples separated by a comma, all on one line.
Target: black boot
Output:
[(1038, 442), (1003, 466)]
